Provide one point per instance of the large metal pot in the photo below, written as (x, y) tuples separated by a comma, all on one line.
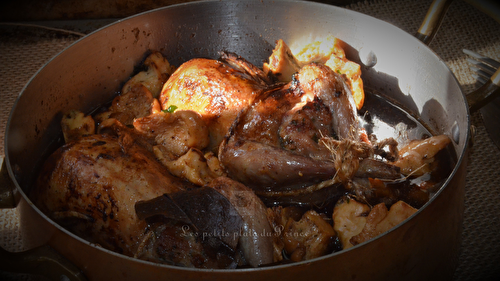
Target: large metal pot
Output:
[(90, 72)]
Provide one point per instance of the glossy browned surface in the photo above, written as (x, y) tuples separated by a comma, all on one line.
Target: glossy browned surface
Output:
[(274, 145), (215, 89), (91, 187)]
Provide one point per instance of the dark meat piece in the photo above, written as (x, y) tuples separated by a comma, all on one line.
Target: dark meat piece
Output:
[(377, 169), (223, 215), (161, 209), (178, 244), (274, 145), (256, 241), (194, 228), (211, 213)]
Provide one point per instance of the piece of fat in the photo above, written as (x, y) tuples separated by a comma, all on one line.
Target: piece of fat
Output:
[(381, 220), (76, 125), (349, 219)]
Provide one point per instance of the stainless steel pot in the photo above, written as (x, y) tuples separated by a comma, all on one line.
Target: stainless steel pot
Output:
[(90, 72)]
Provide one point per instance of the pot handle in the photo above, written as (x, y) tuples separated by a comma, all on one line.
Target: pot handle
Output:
[(7, 187), (429, 27), (433, 20), (484, 94), (438, 9), (42, 261)]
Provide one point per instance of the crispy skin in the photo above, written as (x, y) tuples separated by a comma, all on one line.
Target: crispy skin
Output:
[(216, 89), (91, 187)]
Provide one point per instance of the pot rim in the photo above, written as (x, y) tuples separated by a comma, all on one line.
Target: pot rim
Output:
[(461, 157)]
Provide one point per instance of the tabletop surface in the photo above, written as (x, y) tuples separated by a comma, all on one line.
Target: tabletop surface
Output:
[(24, 49)]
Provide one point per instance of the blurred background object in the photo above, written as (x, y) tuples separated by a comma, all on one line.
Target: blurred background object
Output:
[(42, 10)]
